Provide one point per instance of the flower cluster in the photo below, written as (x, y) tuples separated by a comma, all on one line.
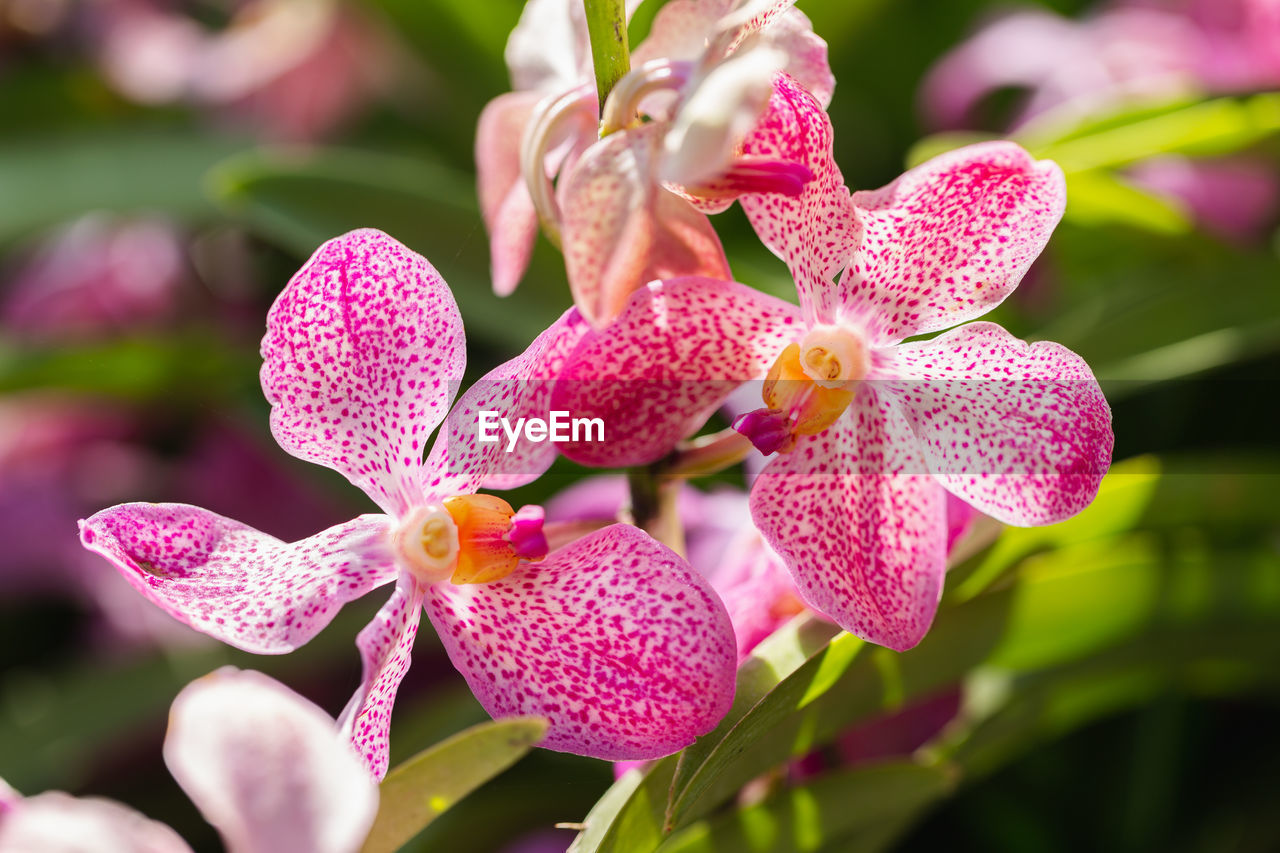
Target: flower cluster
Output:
[(882, 443)]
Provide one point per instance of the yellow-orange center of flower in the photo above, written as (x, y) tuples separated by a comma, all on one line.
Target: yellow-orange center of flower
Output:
[(816, 379), (464, 540)]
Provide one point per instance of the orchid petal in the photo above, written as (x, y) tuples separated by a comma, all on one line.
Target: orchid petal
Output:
[(622, 646), (950, 239), (267, 768), (549, 48), (386, 646), (750, 578), (620, 229), (54, 822), (507, 207), (960, 520), (361, 351), (1021, 431), (667, 363), (750, 16), (234, 583), (459, 463), (792, 33), (862, 531), (815, 232), (714, 118), (680, 31)]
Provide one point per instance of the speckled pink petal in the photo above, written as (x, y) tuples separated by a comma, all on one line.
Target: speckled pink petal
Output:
[(1021, 431), (234, 583), (669, 361), (620, 229), (815, 232), (622, 646), (862, 531), (386, 647), (505, 204), (267, 768), (459, 463), (361, 357), (950, 239), (753, 15), (54, 822)]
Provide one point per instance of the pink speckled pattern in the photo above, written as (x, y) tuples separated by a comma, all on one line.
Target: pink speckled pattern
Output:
[(862, 532), (620, 229), (753, 15), (267, 767), (817, 231), (1020, 431), (363, 351), (521, 387), (613, 638), (671, 358), (234, 583), (505, 203), (386, 648), (950, 239)]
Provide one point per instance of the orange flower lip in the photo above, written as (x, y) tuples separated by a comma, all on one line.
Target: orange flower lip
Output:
[(469, 539), (808, 388)]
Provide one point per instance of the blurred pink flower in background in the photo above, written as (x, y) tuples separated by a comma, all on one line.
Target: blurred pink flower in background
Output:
[(94, 277), (1128, 52), (294, 69)]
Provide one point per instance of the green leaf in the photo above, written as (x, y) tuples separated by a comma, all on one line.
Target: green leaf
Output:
[(1149, 313), (831, 810), (1126, 492), (422, 788), (193, 368), (1204, 129), (46, 180), (1097, 198), (299, 199)]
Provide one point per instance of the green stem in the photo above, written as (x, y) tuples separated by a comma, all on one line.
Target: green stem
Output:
[(653, 506), (610, 55)]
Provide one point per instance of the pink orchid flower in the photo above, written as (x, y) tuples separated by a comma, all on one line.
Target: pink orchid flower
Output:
[(872, 431), (617, 224), (266, 767), (613, 637)]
